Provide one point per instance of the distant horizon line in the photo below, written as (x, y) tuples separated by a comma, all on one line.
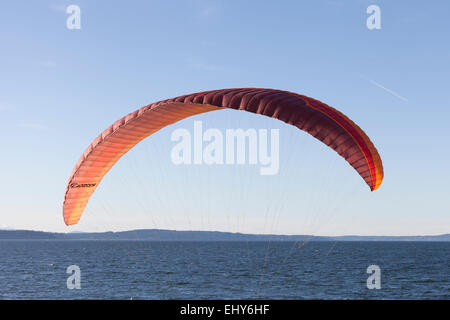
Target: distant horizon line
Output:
[(228, 232)]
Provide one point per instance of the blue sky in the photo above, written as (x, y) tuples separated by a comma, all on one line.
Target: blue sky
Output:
[(60, 88)]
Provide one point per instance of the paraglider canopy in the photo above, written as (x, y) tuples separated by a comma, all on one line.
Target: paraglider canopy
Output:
[(312, 116)]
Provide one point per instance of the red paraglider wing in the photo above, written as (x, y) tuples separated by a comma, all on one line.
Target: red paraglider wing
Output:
[(318, 119)]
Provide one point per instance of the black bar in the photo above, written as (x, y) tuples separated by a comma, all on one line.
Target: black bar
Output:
[(224, 309)]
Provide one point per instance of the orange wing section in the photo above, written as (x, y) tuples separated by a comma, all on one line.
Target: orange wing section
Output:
[(318, 119), (112, 144)]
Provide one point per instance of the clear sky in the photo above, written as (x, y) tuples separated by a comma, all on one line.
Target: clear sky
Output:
[(60, 88)]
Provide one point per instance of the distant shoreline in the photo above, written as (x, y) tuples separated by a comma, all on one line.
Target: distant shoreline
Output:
[(172, 235)]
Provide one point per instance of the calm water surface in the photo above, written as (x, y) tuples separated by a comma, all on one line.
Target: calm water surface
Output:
[(223, 270)]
